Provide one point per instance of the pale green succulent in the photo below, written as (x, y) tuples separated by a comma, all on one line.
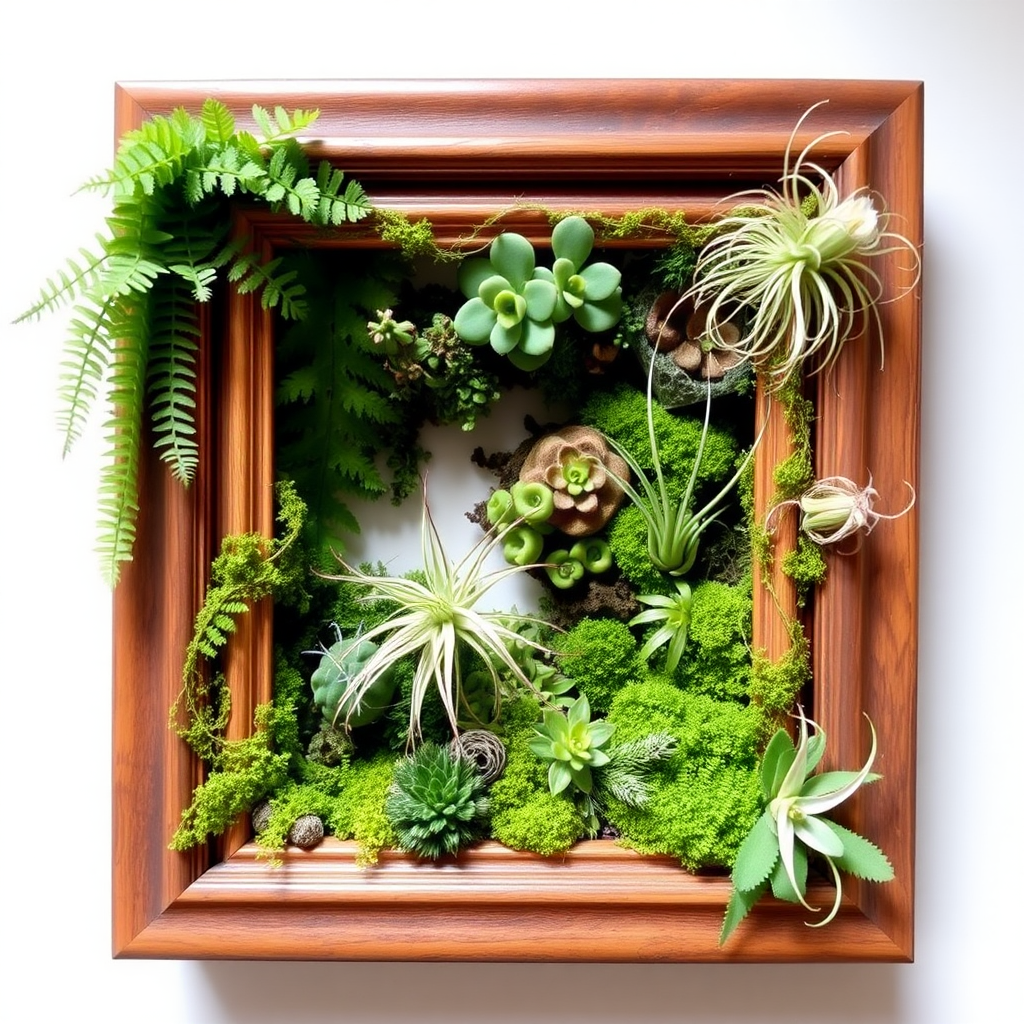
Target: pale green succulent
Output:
[(508, 306), (775, 850), (574, 746)]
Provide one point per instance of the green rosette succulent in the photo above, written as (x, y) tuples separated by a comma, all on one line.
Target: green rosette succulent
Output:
[(574, 746), (435, 802), (509, 306), (592, 295)]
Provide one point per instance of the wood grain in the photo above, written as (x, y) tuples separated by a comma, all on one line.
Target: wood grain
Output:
[(460, 151)]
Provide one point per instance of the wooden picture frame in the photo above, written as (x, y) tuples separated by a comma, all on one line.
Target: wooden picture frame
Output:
[(457, 151)]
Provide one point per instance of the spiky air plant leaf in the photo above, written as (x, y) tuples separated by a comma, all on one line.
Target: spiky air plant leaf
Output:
[(796, 263), (775, 851), (437, 618), (436, 800), (673, 612)]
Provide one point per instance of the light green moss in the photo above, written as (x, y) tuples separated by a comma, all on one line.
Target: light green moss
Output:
[(600, 656)]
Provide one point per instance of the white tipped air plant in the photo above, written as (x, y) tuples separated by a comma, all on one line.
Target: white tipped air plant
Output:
[(794, 266), (775, 850), (836, 508), (435, 620)]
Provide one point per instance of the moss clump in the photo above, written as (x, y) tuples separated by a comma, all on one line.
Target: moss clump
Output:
[(706, 798), (807, 567), (286, 807), (414, 238), (358, 812), (627, 537), (775, 685), (622, 415), (600, 656), (524, 813), (717, 660)]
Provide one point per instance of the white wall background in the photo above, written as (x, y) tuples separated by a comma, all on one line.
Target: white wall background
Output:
[(60, 63)]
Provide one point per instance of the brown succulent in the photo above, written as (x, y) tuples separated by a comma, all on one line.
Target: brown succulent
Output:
[(577, 464), (674, 326)]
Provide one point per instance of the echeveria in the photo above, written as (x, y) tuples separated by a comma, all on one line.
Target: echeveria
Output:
[(508, 305)]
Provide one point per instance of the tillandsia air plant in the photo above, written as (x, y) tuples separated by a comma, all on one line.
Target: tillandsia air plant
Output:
[(775, 851), (673, 528), (674, 614), (434, 620), (798, 262), (836, 508)]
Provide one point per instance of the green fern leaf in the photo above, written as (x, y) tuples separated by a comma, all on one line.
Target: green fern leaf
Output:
[(87, 356), (174, 334), (357, 202), (201, 278), (218, 121), (279, 290), (81, 278)]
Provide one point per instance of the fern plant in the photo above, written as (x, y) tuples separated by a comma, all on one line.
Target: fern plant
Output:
[(165, 246)]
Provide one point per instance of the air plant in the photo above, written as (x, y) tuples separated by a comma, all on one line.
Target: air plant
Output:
[(775, 850), (673, 528), (674, 614), (434, 620), (836, 508), (797, 262)]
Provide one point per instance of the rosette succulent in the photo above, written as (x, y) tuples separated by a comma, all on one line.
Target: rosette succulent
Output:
[(592, 295), (508, 305), (584, 474), (573, 744), (436, 799)]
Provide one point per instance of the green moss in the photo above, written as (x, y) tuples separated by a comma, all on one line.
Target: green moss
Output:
[(706, 797), (622, 415), (524, 813), (806, 566), (717, 659), (358, 812), (288, 805), (627, 537), (775, 685), (600, 656), (415, 239)]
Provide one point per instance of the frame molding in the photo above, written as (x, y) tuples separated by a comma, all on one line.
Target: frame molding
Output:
[(459, 150)]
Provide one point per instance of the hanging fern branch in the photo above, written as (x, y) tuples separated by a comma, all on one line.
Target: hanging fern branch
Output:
[(171, 182)]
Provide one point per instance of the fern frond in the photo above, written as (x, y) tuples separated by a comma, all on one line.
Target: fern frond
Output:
[(119, 477), (67, 286), (286, 124), (284, 186), (174, 333), (218, 122), (283, 290), (335, 207)]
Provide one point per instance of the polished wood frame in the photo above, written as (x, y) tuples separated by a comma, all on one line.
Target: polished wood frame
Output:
[(457, 151)]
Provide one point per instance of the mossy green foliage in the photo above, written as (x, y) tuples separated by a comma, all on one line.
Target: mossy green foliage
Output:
[(627, 537), (775, 685), (622, 415), (600, 657), (706, 797), (806, 566), (358, 812), (244, 772), (415, 239), (717, 659), (524, 813), (335, 412)]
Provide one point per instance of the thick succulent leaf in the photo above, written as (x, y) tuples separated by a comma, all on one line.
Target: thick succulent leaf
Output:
[(602, 280), (505, 339), (861, 858), (523, 361), (537, 339), (491, 287), (782, 884), (813, 832), (740, 904), (512, 256), (778, 757), (472, 274), (758, 854), (831, 782), (540, 299), (601, 732), (579, 713), (600, 316), (583, 779), (559, 776), (561, 271), (474, 322), (572, 239)]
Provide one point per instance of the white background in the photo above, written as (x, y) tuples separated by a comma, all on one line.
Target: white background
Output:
[(59, 66)]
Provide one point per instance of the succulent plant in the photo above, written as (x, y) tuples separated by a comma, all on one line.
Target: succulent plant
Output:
[(574, 746), (508, 306), (435, 801), (390, 335), (589, 294), (584, 474), (332, 680), (563, 569)]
